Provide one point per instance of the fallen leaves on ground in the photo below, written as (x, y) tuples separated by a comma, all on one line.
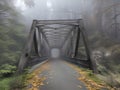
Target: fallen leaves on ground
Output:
[(36, 80), (90, 84)]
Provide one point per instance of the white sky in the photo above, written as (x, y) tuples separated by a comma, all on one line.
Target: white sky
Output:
[(20, 4), (49, 9), (49, 4)]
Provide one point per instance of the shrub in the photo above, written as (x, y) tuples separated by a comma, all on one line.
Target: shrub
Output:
[(4, 83), (7, 70), (18, 83)]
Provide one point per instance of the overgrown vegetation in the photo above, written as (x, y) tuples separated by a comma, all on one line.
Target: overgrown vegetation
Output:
[(90, 79), (12, 38), (15, 82), (4, 83), (106, 54)]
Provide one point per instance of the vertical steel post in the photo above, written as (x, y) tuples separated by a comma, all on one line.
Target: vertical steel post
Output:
[(39, 43), (74, 42), (35, 43), (92, 63), (26, 53), (71, 45), (77, 41)]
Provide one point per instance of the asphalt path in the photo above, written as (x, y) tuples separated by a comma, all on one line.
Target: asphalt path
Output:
[(61, 76)]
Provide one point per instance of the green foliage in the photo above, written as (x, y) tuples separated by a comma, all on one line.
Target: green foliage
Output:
[(4, 83), (7, 69), (13, 83), (12, 39), (92, 76), (11, 43), (18, 83)]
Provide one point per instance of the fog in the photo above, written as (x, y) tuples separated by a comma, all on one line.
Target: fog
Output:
[(50, 9), (55, 53), (101, 20), (96, 13), (101, 17)]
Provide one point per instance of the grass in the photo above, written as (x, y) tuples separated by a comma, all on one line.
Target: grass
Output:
[(92, 76), (90, 79), (14, 82), (4, 83)]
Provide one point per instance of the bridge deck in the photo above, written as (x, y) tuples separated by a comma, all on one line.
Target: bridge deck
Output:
[(60, 76)]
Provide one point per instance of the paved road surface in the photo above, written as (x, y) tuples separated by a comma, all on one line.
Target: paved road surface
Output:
[(61, 77)]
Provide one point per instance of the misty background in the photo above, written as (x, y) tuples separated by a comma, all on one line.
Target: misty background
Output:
[(101, 20)]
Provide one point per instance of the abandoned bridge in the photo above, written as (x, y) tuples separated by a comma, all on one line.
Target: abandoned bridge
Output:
[(70, 39)]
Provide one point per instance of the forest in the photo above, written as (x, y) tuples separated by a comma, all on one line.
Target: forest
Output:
[(12, 33), (101, 20)]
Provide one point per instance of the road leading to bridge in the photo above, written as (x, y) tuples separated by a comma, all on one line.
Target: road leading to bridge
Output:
[(60, 76)]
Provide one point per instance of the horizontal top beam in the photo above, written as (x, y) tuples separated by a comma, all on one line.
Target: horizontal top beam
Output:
[(66, 22), (55, 28)]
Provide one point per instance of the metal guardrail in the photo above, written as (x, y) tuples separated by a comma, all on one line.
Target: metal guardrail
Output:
[(79, 62)]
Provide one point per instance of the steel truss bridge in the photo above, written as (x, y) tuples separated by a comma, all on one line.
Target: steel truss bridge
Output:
[(63, 34)]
